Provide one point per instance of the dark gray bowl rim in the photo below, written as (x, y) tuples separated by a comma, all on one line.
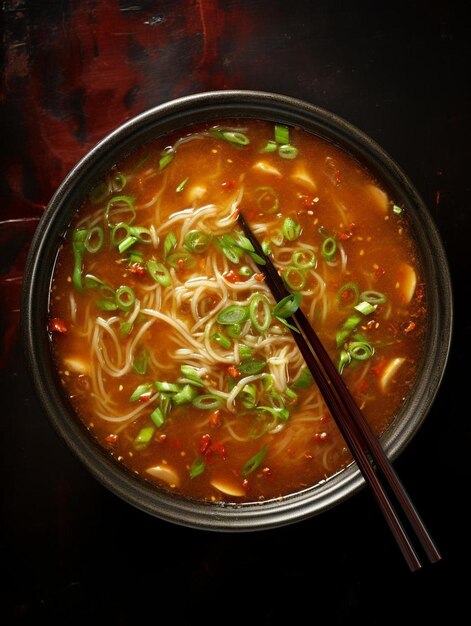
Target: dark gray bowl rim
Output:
[(160, 120)]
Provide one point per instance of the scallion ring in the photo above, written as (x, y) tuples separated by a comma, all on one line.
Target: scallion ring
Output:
[(94, 239), (159, 273), (360, 350), (254, 462), (329, 248), (287, 306), (120, 209), (291, 229), (259, 312), (294, 277), (181, 260), (196, 241), (303, 259), (207, 401), (348, 295), (233, 314), (287, 151), (373, 297), (125, 297), (267, 199)]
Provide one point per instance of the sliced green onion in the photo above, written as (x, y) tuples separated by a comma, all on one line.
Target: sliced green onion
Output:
[(157, 417), (235, 137), (245, 270), (166, 156), (268, 383), (125, 297), (233, 314), (142, 233), (251, 366), (294, 278), (159, 273), (144, 437), (94, 240), (244, 243), (106, 305), (234, 330), (141, 362), (344, 300), (260, 425), (396, 209), (144, 389), (287, 306), (266, 247), (125, 329), (93, 282), (365, 307), (165, 387), (304, 379), (197, 467), (281, 412), (281, 134), (170, 243), (196, 241), (303, 259), (181, 260), (290, 394), (118, 182), (287, 151), (283, 321), (347, 328), (344, 360), (360, 350), (270, 146), (259, 312), (126, 243), (182, 185), (135, 256), (191, 373), (267, 199), (254, 462), (373, 297), (257, 258), (165, 404), (229, 247), (329, 248), (244, 352), (119, 232), (78, 247), (185, 396), (207, 401), (221, 340), (117, 207), (291, 229), (277, 238), (248, 396)]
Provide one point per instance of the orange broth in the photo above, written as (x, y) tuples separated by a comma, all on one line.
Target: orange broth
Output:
[(241, 421)]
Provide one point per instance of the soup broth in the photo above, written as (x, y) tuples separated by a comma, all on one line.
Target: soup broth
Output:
[(169, 343)]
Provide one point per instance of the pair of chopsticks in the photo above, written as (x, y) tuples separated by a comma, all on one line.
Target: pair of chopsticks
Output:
[(364, 446)]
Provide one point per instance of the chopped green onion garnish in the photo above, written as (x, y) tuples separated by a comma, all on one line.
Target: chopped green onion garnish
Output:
[(281, 412), (119, 182), (283, 321), (259, 312), (248, 396), (144, 437), (234, 330), (244, 352), (233, 314), (235, 137), (303, 259), (344, 360), (267, 199), (197, 467), (365, 307), (207, 401), (170, 243), (270, 146), (347, 328), (360, 350), (196, 241), (120, 206), (373, 297), (93, 282), (141, 362), (181, 260), (294, 278), (291, 229), (78, 247), (348, 295), (141, 233), (329, 248), (185, 396), (304, 379), (94, 240), (145, 389), (191, 373), (125, 329), (251, 366), (166, 157), (254, 462), (277, 238), (181, 186), (287, 306), (125, 297), (165, 387), (281, 134), (287, 151), (245, 271), (106, 305), (397, 209), (222, 340), (126, 243), (119, 232), (266, 247), (157, 417), (159, 273)]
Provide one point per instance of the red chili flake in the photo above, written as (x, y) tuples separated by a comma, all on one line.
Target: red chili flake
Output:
[(320, 436), (266, 471), (379, 272), (260, 276), (181, 264), (57, 325), (111, 438), (231, 276), (205, 443), (145, 397), (245, 484), (410, 327), (137, 268), (219, 449), (215, 419), (370, 325), (228, 185), (233, 371), (162, 438)]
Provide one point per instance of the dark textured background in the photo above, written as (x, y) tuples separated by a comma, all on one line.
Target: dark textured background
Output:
[(72, 70)]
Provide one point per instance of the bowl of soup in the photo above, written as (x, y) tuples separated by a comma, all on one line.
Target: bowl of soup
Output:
[(158, 351)]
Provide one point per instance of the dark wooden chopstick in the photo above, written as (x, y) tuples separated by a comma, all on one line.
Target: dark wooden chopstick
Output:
[(363, 444)]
